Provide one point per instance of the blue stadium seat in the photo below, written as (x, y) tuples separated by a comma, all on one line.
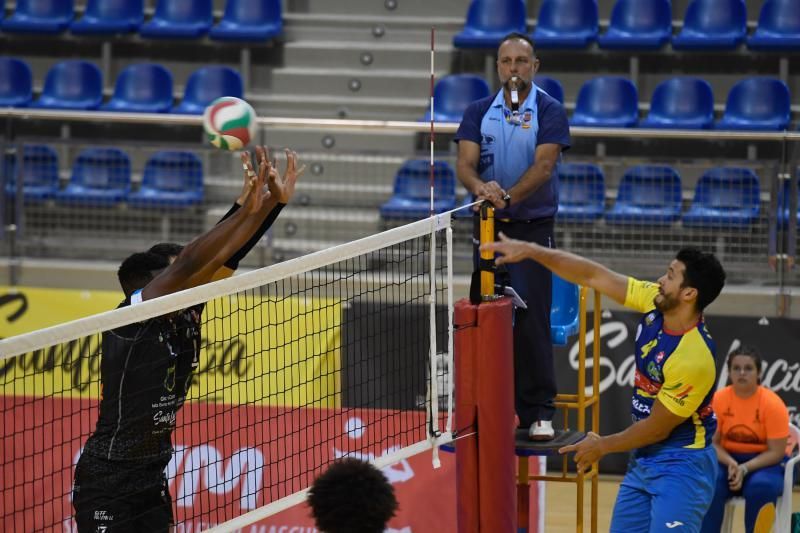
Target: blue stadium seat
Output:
[(100, 177), (564, 318), (171, 179), (778, 26), (249, 20), (179, 19), (453, 94), (39, 173), (411, 197), (72, 84), (638, 25), (488, 21), (551, 86), (582, 192), (607, 101), (108, 17), (649, 195), (757, 104), (566, 24), (725, 197), (681, 103), (142, 88), (16, 83), (39, 16), (205, 85), (712, 24)]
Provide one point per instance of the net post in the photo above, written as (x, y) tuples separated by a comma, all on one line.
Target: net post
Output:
[(484, 358), (487, 236)]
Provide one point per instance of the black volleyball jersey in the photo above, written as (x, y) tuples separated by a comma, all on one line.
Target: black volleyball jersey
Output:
[(146, 371)]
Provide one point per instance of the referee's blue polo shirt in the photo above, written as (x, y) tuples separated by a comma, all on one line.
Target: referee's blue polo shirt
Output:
[(508, 149)]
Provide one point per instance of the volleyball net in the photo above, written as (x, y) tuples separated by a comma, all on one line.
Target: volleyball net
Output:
[(344, 352)]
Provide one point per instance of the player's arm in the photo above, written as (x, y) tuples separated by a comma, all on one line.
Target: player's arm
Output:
[(469, 154), (281, 193), (655, 428), (538, 174), (571, 267), (210, 250)]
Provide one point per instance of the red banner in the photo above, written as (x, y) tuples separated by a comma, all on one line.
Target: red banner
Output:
[(218, 473)]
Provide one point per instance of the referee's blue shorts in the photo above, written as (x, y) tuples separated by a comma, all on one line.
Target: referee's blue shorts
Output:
[(666, 491)]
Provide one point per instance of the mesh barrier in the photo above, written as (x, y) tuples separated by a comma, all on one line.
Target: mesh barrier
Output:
[(629, 212), (281, 369)]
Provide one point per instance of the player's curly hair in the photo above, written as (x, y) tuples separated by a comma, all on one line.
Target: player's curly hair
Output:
[(137, 269), (352, 496)]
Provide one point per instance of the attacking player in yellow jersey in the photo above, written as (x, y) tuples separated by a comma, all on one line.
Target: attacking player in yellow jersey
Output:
[(672, 473)]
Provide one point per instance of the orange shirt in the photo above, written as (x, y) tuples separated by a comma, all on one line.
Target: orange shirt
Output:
[(745, 425)]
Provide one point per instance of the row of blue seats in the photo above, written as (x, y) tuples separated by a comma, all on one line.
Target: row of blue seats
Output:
[(243, 20), (102, 177), (143, 88), (725, 197), (610, 101), (635, 25)]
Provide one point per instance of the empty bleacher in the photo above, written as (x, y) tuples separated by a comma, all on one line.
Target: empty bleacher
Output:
[(369, 60)]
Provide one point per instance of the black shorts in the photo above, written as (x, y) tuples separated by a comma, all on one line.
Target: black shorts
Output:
[(103, 508)]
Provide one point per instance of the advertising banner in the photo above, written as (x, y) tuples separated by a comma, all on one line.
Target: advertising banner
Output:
[(778, 340)]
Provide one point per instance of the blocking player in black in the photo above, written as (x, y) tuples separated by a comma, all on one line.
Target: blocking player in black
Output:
[(146, 367)]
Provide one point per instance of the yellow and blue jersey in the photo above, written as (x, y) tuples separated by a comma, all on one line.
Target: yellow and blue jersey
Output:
[(677, 367)]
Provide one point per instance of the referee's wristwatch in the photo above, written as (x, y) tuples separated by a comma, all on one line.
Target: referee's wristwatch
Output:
[(507, 200)]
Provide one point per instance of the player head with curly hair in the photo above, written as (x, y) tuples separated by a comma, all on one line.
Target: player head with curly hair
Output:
[(352, 496)]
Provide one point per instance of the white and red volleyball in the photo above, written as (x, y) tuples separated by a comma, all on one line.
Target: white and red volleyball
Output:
[(230, 123)]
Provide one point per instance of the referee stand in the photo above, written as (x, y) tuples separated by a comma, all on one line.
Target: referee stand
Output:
[(485, 468)]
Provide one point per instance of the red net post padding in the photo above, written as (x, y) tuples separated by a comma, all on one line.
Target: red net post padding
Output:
[(485, 400)]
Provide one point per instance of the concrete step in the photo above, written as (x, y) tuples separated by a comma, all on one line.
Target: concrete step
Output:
[(326, 224), (365, 55), (392, 143), (341, 194), (388, 9), (381, 83), (331, 106)]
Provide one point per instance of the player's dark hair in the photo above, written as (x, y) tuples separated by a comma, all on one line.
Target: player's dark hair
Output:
[(166, 249), (136, 270), (517, 36), (704, 273), (352, 496), (747, 351)]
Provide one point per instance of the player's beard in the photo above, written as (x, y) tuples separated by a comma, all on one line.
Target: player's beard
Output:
[(665, 303)]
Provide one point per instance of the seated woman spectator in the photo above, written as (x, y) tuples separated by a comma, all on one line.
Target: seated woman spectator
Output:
[(752, 431)]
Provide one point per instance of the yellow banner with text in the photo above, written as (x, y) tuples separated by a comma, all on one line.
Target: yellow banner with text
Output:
[(256, 350)]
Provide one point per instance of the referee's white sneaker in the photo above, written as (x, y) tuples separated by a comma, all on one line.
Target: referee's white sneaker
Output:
[(541, 430)]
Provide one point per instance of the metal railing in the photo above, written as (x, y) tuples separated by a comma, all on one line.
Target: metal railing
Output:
[(352, 166)]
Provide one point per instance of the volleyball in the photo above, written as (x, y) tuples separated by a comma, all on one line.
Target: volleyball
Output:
[(229, 123)]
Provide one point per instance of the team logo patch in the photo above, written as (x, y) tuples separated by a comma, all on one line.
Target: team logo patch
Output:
[(659, 357), (653, 371), (169, 379), (649, 318)]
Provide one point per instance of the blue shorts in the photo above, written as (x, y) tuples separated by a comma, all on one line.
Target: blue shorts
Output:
[(667, 491)]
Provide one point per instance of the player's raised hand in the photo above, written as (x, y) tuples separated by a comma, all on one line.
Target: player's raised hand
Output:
[(257, 193), (282, 187), (261, 155), (511, 250)]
